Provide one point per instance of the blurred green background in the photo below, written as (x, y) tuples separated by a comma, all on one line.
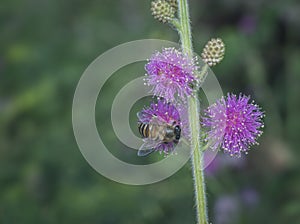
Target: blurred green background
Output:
[(45, 47)]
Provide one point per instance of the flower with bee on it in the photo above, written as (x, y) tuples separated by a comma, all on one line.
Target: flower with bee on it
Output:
[(171, 73), (160, 126), (234, 124)]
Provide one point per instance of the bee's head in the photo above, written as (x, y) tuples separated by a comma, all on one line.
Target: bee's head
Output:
[(177, 131)]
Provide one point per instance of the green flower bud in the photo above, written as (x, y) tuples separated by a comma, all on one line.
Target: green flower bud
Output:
[(162, 11), (213, 52)]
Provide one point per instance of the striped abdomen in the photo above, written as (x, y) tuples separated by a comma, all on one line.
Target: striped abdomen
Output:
[(144, 129)]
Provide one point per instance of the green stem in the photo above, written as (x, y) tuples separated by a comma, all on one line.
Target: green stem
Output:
[(185, 32), (193, 113), (197, 161)]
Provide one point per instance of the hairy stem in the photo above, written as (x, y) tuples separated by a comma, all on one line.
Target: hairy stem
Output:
[(193, 113), (197, 161)]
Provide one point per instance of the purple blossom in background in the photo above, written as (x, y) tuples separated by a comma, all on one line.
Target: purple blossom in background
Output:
[(234, 124), (165, 113), (226, 209), (213, 166), (171, 74), (221, 162), (250, 197), (248, 24)]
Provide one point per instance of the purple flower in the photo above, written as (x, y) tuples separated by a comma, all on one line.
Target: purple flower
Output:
[(234, 124), (171, 73), (160, 113)]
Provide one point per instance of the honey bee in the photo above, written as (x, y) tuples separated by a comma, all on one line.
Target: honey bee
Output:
[(157, 132)]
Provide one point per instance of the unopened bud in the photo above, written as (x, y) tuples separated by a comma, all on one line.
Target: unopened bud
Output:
[(162, 11), (213, 52), (173, 3)]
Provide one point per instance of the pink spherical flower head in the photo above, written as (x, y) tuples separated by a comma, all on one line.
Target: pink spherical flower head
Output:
[(160, 114), (234, 124), (171, 73)]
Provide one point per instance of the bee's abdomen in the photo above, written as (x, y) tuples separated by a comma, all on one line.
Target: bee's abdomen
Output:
[(144, 129)]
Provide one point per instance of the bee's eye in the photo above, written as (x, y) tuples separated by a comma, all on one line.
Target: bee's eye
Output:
[(177, 130)]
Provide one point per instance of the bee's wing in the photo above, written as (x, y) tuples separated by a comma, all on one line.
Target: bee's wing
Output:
[(144, 151), (154, 120), (139, 115), (157, 120), (147, 148)]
